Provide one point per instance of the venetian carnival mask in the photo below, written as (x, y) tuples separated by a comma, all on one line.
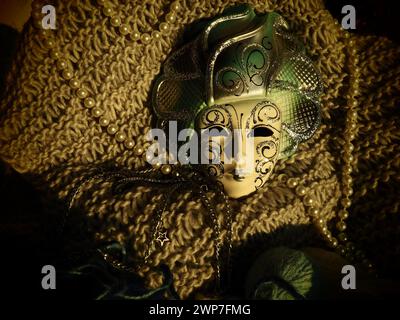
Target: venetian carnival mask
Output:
[(245, 77)]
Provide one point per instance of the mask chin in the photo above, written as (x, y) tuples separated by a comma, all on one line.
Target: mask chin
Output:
[(238, 189), (239, 192)]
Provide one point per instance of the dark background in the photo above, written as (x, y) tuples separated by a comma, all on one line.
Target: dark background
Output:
[(23, 249)]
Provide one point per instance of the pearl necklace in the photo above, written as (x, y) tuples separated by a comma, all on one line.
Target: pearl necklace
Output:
[(346, 247), (67, 72)]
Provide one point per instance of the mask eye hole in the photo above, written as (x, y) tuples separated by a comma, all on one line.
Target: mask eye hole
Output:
[(217, 131), (261, 131)]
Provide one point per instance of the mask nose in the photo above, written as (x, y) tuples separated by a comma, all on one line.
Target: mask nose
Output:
[(243, 158), (237, 159), (239, 166)]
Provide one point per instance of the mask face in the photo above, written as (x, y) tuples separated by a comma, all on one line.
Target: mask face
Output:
[(244, 141)]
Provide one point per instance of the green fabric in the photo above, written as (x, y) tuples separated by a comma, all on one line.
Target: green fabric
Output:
[(280, 274)]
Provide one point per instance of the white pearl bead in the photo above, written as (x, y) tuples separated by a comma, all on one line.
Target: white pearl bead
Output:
[(175, 6), (124, 29), (107, 11), (115, 21), (112, 129), (67, 75), (156, 35), (129, 144), (96, 112), (81, 93), (104, 121), (145, 37), (164, 27), (74, 83), (170, 17), (120, 136), (135, 36), (89, 103)]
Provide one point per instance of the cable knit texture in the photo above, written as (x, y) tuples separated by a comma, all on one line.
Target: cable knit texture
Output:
[(48, 133)]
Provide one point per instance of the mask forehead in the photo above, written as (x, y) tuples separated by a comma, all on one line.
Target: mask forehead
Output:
[(241, 115)]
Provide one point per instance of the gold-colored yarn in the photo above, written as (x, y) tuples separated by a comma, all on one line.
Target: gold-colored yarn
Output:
[(47, 133)]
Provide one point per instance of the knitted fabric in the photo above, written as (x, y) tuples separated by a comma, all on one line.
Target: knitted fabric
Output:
[(48, 134)]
